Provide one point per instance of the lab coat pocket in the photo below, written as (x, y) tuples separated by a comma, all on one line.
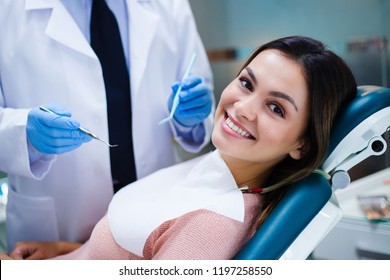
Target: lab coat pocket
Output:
[(33, 219)]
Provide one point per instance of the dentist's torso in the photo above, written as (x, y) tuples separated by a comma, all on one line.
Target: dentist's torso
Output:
[(44, 58)]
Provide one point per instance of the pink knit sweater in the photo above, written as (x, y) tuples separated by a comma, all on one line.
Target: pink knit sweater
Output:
[(200, 234)]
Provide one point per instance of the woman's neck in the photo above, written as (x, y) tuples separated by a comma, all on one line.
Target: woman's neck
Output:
[(246, 173)]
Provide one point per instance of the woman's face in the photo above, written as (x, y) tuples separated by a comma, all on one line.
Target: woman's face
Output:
[(263, 113)]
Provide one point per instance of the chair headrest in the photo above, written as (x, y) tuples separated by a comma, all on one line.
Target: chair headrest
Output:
[(369, 100), (360, 125)]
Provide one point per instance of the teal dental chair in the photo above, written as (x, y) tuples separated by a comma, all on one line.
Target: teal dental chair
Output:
[(309, 209)]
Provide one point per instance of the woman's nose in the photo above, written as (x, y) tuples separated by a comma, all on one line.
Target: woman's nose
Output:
[(245, 109)]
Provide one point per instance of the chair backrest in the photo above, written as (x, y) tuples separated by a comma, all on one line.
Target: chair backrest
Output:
[(296, 225)]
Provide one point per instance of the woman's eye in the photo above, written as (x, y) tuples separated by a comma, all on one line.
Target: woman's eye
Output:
[(277, 109), (247, 84)]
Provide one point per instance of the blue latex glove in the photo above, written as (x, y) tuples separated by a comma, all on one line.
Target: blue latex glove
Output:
[(195, 101), (54, 134)]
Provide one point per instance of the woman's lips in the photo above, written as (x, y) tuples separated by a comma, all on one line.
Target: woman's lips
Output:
[(236, 128)]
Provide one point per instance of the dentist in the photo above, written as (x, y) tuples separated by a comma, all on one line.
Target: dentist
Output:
[(59, 188)]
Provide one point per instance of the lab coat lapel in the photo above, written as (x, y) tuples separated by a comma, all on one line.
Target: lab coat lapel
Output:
[(61, 27), (142, 29)]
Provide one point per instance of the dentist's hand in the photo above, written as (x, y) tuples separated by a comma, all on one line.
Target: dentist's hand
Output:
[(54, 133), (195, 101)]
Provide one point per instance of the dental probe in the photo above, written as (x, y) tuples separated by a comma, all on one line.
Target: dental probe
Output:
[(177, 94), (80, 128)]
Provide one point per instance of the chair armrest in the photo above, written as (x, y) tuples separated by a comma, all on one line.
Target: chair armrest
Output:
[(298, 207)]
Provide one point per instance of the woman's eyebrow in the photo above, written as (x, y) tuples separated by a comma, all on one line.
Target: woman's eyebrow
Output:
[(251, 74), (284, 96), (277, 94)]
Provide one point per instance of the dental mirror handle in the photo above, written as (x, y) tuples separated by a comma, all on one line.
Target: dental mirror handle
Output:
[(176, 99)]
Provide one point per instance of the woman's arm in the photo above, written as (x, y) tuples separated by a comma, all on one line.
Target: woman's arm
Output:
[(198, 235)]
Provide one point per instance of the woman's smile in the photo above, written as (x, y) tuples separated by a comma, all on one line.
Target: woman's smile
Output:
[(236, 128)]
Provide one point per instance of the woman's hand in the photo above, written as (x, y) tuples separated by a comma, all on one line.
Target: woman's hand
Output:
[(41, 250), (4, 256)]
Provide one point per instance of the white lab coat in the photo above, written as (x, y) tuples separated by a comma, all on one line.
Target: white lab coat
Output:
[(44, 58)]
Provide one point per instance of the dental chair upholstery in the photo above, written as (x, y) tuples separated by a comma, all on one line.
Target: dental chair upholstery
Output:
[(309, 211)]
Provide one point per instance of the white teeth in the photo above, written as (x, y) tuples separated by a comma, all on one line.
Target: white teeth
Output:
[(236, 128)]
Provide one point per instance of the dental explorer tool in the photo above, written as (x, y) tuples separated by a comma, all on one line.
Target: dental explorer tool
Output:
[(177, 94), (80, 128)]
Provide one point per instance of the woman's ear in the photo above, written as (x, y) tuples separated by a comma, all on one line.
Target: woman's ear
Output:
[(301, 150)]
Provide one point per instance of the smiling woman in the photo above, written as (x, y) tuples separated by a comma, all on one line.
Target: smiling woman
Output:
[(329, 84), (268, 101), (272, 127)]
